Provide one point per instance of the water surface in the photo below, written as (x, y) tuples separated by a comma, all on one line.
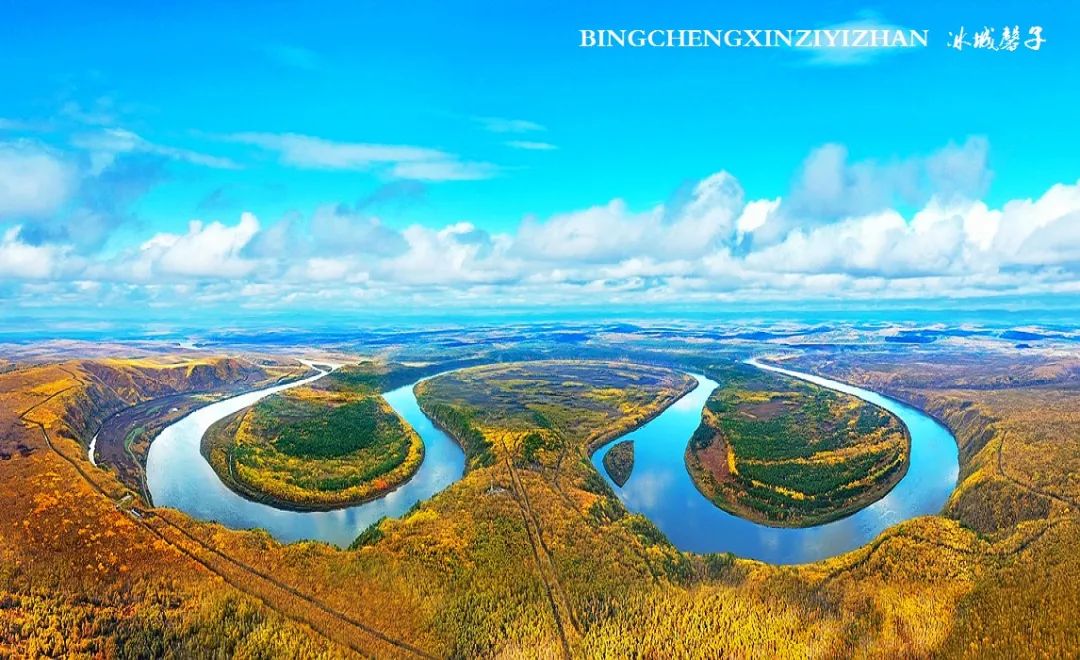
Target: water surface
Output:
[(659, 487)]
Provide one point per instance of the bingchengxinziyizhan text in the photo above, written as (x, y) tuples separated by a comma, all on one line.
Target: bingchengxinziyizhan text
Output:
[(1010, 38), (747, 38)]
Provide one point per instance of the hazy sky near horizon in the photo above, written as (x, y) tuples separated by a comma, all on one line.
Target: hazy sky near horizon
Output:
[(365, 154)]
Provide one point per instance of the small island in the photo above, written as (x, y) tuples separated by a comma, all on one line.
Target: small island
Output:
[(619, 461), (783, 452), (333, 443)]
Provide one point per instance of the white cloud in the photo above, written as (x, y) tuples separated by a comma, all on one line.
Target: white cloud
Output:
[(337, 230), (613, 232), (1030, 231), (21, 261), (398, 161), (530, 145), (325, 270), (207, 250), (597, 234), (755, 214), (883, 244), (702, 246), (457, 254), (33, 180), (444, 170), (317, 153), (708, 218), (830, 187), (960, 170), (504, 125), (104, 146), (839, 55)]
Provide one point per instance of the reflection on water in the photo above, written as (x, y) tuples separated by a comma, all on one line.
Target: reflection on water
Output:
[(660, 486), (178, 476)]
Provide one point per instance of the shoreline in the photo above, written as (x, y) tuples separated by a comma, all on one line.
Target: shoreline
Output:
[(206, 446)]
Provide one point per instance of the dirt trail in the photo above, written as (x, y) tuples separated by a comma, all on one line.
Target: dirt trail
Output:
[(565, 621)]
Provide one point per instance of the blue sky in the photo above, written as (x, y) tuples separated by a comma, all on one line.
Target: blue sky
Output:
[(373, 154)]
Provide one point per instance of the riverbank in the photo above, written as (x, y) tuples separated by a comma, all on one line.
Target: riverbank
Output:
[(376, 461), (179, 477)]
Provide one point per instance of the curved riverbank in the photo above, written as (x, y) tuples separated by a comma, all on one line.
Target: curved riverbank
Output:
[(178, 476), (314, 448), (658, 487), (784, 452)]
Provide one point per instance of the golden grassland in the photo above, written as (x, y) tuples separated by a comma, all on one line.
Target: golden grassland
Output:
[(784, 452), (321, 446), (535, 558)]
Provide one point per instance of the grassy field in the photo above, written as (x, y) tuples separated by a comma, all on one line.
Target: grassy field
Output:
[(519, 559), (781, 451), (332, 443)]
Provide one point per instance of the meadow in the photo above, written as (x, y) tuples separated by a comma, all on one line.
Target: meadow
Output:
[(781, 451)]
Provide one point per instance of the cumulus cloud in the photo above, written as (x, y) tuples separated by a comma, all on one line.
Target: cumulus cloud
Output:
[(882, 244), (688, 228), (960, 170), (34, 181), (98, 204), (830, 187), (838, 233), (597, 234), (212, 250), (340, 230), (1029, 231), (754, 215), (458, 254), (19, 260)]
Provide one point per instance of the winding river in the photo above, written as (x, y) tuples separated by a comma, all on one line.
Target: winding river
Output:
[(659, 487), (178, 476)]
